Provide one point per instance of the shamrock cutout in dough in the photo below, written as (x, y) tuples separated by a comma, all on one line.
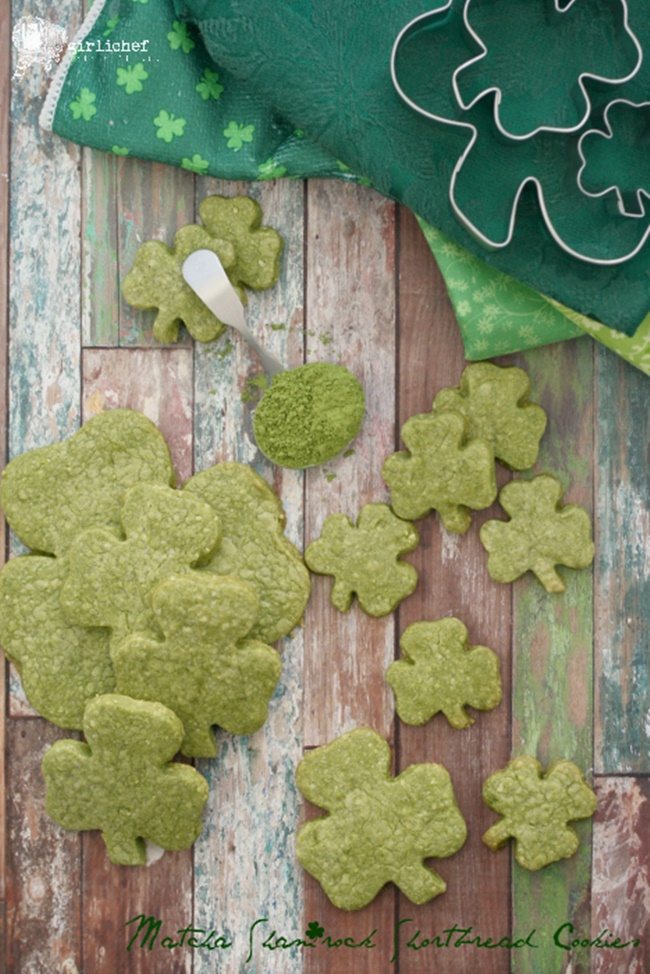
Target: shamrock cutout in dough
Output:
[(51, 493), (540, 535), (61, 666), (441, 471), (253, 545), (380, 829), (109, 580), (204, 669), (536, 808), (258, 249), (156, 281), (122, 781), (440, 671), (495, 403), (364, 559)]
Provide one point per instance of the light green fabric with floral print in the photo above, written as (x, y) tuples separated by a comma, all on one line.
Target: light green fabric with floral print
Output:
[(164, 99)]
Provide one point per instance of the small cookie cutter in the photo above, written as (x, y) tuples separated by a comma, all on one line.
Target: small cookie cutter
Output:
[(441, 13), (609, 134)]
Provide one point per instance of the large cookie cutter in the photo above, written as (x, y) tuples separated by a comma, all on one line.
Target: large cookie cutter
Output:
[(561, 7), (442, 14), (608, 135)]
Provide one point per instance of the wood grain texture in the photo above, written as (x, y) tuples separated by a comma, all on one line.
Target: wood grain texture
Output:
[(553, 655), (453, 581), (5, 69), (350, 319), (100, 296), (153, 202), (350, 282), (621, 874), (43, 862), (156, 381), (245, 867), (622, 596)]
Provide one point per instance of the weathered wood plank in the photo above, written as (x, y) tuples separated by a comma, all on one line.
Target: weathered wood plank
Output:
[(453, 581), (100, 297), (350, 319), (5, 69), (43, 310), (622, 595), (44, 888), (621, 874), (245, 867), (153, 202), (553, 656), (156, 381)]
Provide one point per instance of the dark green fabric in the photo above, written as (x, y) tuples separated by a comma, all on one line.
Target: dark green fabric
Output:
[(301, 87)]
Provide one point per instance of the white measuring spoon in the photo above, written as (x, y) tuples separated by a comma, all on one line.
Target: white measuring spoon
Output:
[(204, 273)]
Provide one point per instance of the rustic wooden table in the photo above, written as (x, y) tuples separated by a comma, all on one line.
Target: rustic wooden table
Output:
[(359, 286)]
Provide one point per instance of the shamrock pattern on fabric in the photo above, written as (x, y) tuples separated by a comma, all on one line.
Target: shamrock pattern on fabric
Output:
[(364, 559), (271, 170), (168, 125), (196, 164), (131, 78), (110, 580), (179, 38), (237, 134), (119, 150), (84, 105), (123, 782), (379, 829), (440, 672), (536, 809), (539, 535), (205, 669), (209, 86)]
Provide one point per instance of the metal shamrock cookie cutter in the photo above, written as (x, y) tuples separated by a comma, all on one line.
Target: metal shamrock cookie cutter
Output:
[(629, 238)]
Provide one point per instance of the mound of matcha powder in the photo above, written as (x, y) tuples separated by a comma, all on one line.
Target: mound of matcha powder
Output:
[(308, 415)]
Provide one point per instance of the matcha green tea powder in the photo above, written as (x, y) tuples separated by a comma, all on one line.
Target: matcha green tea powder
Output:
[(309, 414)]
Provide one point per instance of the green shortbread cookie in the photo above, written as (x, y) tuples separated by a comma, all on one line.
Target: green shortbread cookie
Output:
[(495, 402), (441, 672), (364, 559), (253, 545), (156, 281), (380, 829), (123, 782), (51, 493), (540, 535), (309, 415), (204, 669), (258, 249), (536, 808), (441, 471), (61, 666), (110, 580)]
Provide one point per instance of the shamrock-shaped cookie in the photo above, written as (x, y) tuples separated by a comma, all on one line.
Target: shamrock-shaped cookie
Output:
[(51, 493), (379, 829), (62, 666), (495, 403), (204, 669), (258, 249), (122, 781), (156, 281), (536, 808), (364, 559), (441, 471), (109, 580), (540, 535), (440, 671), (253, 545)]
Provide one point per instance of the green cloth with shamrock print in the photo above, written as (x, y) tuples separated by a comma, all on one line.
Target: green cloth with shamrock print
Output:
[(170, 102)]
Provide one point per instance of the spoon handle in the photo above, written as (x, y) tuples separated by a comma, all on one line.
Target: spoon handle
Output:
[(204, 273)]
